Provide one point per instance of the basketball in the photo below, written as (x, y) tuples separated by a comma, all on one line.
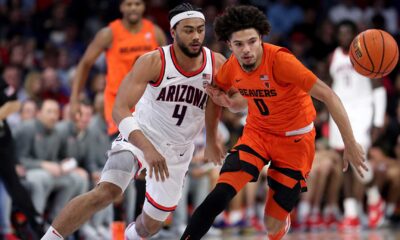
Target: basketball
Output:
[(374, 53)]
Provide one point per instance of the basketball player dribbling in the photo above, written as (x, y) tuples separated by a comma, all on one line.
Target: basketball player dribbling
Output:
[(276, 88), (123, 41), (365, 101), (166, 86)]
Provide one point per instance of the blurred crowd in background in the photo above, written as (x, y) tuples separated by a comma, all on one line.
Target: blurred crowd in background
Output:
[(41, 42)]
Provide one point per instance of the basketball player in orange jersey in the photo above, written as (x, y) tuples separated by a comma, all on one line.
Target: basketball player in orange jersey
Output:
[(123, 41), (276, 88), (166, 88)]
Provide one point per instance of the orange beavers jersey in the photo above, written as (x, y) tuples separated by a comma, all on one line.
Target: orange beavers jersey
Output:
[(125, 48), (277, 91)]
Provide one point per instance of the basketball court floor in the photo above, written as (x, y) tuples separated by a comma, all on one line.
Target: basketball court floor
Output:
[(383, 234)]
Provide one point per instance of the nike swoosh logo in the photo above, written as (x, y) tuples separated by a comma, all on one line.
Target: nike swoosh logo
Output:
[(297, 140), (168, 77), (238, 80)]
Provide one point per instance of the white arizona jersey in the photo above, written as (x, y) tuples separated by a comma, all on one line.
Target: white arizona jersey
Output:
[(173, 107), (350, 86), (355, 92)]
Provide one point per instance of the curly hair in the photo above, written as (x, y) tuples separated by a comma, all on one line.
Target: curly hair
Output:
[(184, 7), (349, 24), (238, 18)]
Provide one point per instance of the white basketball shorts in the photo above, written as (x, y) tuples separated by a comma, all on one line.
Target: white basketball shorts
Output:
[(161, 197)]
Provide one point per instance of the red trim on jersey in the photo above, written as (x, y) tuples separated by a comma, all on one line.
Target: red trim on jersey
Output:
[(162, 71), (158, 206), (183, 72), (55, 233), (213, 66), (137, 171)]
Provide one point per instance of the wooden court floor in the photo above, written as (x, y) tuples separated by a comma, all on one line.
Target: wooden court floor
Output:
[(384, 234)]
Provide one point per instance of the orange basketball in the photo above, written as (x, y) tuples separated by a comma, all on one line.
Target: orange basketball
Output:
[(374, 53)]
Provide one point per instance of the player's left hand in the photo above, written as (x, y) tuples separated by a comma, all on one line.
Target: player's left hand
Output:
[(214, 153), (157, 164), (354, 154), (218, 96)]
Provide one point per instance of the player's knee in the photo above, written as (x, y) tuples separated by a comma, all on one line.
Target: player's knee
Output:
[(273, 225), (287, 185), (147, 226), (393, 175), (105, 193)]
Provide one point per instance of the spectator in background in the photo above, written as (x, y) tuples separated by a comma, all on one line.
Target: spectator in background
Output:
[(28, 110), (283, 15), (324, 41), (384, 9), (44, 169), (52, 87), (63, 70), (33, 86), (97, 86), (98, 127), (136, 36), (345, 10), (12, 76), (102, 220), (9, 161), (325, 178), (387, 174), (79, 143)]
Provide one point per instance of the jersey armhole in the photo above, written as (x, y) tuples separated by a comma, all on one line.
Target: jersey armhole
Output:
[(212, 67), (162, 71)]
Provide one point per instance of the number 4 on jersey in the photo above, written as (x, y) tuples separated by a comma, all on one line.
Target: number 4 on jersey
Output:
[(179, 114)]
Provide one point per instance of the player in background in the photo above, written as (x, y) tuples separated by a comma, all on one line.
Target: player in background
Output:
[(166, 87), (365, 101), (276, 88), (123, 41)]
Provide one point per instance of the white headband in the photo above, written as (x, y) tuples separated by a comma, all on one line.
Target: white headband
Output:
[(185, 15)]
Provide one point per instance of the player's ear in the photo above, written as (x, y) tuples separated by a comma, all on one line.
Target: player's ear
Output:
[(229, 45), (172, 31)]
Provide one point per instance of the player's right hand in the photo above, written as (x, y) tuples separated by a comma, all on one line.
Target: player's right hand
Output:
[(218, 96), (214, 153), (355, 155), (157, 164)]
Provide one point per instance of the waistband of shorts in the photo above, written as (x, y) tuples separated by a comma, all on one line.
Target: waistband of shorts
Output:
[(300, 131)]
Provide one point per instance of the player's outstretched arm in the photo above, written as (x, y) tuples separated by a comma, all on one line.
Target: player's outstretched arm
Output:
[(145, 70), (353, 152), (213, 152), (100, 43), (160, 36)]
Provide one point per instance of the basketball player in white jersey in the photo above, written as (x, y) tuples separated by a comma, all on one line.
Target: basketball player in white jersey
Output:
[(166, 88), (365, 102)]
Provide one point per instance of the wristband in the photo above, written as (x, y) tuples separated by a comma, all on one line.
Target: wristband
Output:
[(128, 125)]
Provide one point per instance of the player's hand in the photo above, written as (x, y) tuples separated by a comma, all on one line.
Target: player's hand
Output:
[(218, 96), (214, 153), (354, 154), (157, 164), (74, 109)]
